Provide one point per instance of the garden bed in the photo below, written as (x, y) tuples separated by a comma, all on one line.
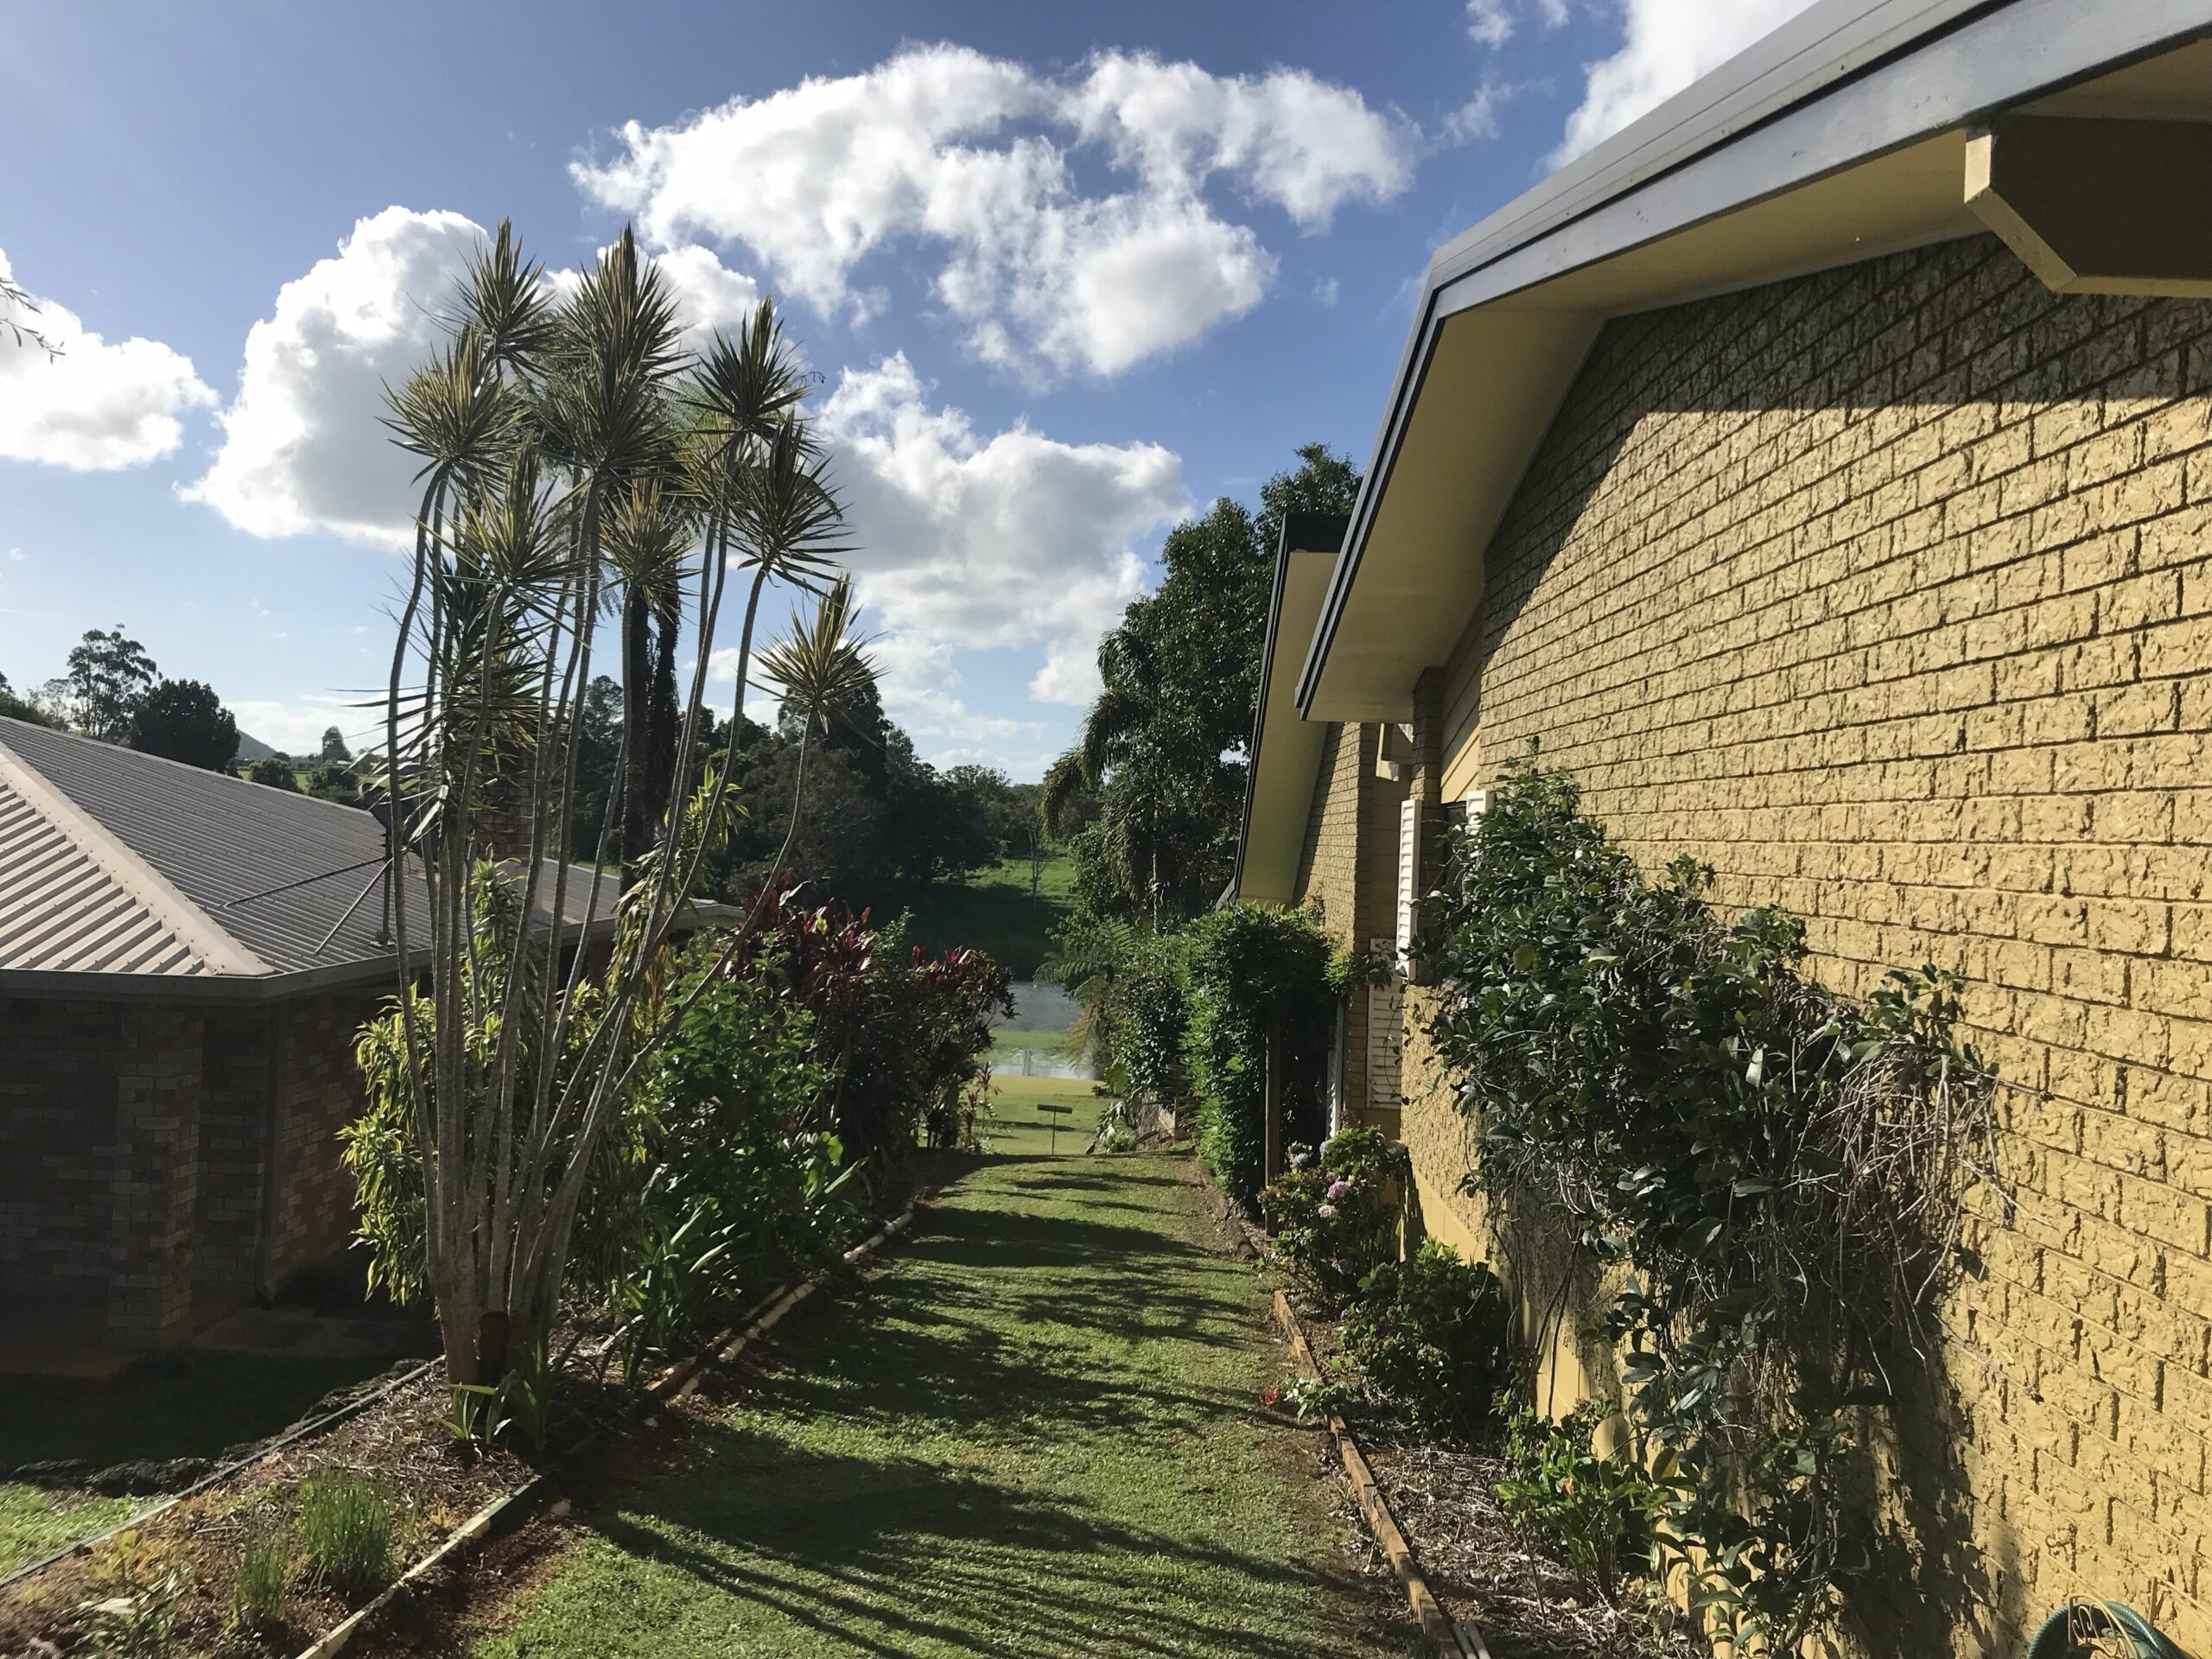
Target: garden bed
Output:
[(171, 1584), (179, 1565), (1483, 1567), (1528, 1604)]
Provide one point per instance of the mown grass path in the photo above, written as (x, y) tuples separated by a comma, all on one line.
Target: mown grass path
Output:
[(1035, 1433)]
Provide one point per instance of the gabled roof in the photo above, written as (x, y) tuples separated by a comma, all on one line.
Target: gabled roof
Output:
[(122, 872)]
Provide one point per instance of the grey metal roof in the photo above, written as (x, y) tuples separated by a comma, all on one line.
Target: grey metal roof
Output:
[(61, 912), (218, 839), (233, 849)]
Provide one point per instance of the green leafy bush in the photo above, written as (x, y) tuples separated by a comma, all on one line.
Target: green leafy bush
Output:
[(1775, 1172), (346, 1534), (715, 1182), (1132, 985), (1595, 1511), (1429, 1334), (1335, 1213), (1253, 970)]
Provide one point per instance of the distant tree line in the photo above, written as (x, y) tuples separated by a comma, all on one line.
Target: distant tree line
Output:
[(873, 821), (114, 693)]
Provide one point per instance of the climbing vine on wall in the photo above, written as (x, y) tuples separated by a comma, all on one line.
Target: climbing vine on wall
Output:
[(1775, 1173)]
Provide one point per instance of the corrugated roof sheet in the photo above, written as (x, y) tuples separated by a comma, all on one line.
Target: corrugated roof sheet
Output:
[(224, 843), (60, 911)]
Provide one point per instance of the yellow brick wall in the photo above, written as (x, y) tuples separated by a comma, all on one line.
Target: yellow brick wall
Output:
[(1886, 592), (1347, 871)]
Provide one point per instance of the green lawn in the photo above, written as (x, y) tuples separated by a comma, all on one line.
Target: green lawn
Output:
[(992, 912), (1018, 1127), (1035, 1433), (33, 1523)]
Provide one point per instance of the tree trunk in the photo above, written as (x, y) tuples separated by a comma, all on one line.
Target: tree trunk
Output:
[(637, 723)]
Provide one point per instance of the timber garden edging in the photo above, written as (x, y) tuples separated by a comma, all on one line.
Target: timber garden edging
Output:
[(511, 1508)]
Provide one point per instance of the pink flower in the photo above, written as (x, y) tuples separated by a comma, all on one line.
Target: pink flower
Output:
[(1337, 1189)]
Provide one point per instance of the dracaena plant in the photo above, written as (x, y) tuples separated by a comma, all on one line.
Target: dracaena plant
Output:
[(582, 476)]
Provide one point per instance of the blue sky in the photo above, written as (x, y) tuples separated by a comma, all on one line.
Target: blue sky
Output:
[(1065, 272)]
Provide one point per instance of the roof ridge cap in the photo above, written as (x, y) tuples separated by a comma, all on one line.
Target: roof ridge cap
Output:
[(219, 951)]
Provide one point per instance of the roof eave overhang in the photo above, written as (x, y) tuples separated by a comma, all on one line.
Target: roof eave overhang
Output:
[(1286, 750), (1840, 85)]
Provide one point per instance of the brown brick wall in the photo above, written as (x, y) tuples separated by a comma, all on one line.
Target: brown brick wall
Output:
[(321, 1093), (135, 1160), (1886, 592), (236, 1062), (57, 1103)]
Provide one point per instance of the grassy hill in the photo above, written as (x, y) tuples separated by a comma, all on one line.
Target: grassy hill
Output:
[(993, 911)]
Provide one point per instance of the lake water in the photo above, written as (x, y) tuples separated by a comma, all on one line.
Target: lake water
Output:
[(1040, 1008)]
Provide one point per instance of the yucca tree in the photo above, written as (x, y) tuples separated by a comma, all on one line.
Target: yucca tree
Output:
[(561, 446), (770, 509), (649, 532)]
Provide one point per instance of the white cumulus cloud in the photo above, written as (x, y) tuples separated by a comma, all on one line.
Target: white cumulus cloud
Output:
[(89, 404), (1010, 540), (304, 443), (1668, 44), (975, 157)]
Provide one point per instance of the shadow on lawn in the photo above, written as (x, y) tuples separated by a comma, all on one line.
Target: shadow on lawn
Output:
[(881, 1553)]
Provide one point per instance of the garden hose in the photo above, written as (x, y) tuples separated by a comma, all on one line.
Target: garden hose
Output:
[(2057, 1639)]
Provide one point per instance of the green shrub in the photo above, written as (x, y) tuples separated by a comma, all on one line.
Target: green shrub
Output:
[(1429, 1335), (1335, 1213), (1772, 1174), (1595, 1510), (1132, 985), (1254, 971), (346, 1534), (257, 1593)]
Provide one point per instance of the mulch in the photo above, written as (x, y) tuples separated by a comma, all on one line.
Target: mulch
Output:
[(1527, 1604), (1484, 1568)]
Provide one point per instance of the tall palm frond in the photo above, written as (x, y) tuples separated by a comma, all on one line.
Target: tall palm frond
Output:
[(615, 345), (507, 301), (821, 670), (743, 389), (453, 412)]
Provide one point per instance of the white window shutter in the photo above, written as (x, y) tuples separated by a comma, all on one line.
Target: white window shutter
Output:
[(1408, 873), (1385, 1036)]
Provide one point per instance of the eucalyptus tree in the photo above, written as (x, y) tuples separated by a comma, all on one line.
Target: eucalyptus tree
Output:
[(563, 483)]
